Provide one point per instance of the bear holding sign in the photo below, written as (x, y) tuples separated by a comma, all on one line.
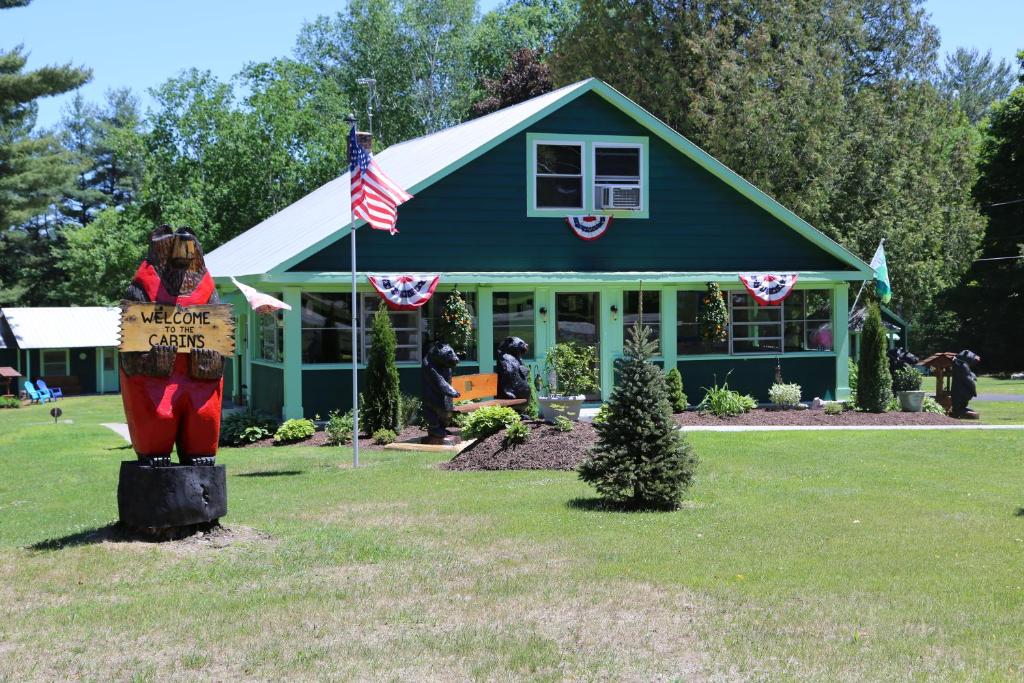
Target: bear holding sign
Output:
[(170, 397)]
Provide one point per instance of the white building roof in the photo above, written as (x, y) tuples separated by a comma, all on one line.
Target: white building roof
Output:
[(64, 327)]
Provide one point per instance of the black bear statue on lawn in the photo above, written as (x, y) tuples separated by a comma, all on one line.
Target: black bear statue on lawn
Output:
[(513, 376), (964, 384), (438, 392), (899, 358)]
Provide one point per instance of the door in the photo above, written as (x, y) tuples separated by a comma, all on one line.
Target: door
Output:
[(111, 381), (578, 319)]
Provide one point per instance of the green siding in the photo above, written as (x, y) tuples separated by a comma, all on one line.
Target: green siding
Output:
[(267, 389), (754, 376), (475, 219)]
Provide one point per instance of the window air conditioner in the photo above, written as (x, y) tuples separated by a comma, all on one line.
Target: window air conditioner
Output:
[(618, 197)]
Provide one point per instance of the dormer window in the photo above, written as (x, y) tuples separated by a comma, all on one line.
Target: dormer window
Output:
[(617, 177), (559, 176)]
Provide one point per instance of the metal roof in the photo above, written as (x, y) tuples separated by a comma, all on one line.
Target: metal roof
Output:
[(325, 211), (64, 327)]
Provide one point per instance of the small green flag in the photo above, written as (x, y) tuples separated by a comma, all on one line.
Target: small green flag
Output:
[(881, 269)]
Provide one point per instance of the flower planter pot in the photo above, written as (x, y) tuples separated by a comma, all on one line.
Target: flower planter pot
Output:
[(911, 401), (566, 406)]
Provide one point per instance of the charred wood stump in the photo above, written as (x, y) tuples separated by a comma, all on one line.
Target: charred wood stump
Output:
[(157, 501)]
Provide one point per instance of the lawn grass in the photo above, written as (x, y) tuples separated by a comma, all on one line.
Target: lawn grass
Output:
[(800, 555), (995, 385)]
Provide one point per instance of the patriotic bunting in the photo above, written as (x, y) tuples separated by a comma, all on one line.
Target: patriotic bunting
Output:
[(768, 289), (589, 227), (404, 292)]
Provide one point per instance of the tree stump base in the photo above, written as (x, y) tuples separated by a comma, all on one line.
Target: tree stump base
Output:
[(157, 500)]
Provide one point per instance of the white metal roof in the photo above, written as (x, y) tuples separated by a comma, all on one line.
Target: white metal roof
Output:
[(326, 210), (64, 327)]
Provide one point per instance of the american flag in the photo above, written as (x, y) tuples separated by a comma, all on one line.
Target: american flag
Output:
[(375, 197)]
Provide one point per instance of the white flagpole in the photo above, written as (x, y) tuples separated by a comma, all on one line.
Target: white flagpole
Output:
[(355, 350)]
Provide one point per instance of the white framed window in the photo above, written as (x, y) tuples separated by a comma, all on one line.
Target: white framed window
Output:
[(558, 175), (618, 181), (54, 362), (405, 323), (755, 328)]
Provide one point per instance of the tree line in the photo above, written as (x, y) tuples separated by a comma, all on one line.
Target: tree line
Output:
[(842, 111)]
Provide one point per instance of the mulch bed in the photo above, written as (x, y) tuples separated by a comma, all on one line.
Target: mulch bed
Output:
[(546, 449), (319, 438), (761, 417)]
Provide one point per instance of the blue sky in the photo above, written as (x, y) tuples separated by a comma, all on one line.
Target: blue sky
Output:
[(140, 44)]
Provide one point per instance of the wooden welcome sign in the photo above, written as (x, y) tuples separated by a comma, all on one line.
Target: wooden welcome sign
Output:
[(197, 327)]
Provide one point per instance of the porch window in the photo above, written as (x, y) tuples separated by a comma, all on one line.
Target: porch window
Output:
[(54, 362), (513, 317), (432, 317), (405, 323), (755, 328), (326, 327), (269, 338), (808, 315), (688, 338), (652, 314), (558, 176)]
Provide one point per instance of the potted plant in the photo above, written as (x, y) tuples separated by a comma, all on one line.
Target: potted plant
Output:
[(906, 382), (571, 372)]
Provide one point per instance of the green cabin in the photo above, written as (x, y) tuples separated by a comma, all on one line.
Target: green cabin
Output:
[(489, 215)]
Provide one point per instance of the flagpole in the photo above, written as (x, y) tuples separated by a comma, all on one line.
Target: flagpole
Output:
[(355, 350), (863, 284)]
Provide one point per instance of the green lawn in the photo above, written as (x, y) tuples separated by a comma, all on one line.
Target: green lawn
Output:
[(800, 555), (994, 385)]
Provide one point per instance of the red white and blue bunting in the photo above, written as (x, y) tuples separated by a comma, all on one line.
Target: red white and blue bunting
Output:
[(769, 289), (589, 227), (405, 292)]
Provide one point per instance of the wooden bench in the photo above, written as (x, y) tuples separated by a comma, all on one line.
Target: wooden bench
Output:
[(482, 386)]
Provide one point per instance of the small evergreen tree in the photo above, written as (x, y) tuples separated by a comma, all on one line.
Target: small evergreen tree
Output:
[(532, 408), (382, 407), (874, 382), (676, 395), (456, 325), (713, 315), (641, 459)]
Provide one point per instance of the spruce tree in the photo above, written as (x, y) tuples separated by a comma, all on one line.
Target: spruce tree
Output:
[(641, 459), (676, 395), (456, 325), (874, 382), (382, 407)]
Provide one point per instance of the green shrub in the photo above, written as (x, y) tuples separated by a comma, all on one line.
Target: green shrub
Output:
[(563, 424), (676, 396), (930, 405), (575, 369), (382, 408), (411, 412), (906, 378), (713, 315), (852, 366), (339, 428), (874, 383), (531, 409), (641, 459), (291, 431), (785, 395), (456, 324), (9, 402), (721, 401), (238, 429), (834, 408), (602, 415), (383, 437), (517, 434), (483, 422)]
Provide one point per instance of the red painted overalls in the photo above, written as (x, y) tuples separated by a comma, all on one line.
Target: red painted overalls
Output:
[(162, 411)]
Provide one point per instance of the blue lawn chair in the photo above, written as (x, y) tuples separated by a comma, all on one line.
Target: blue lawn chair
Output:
[(54, 393), (33, 395)]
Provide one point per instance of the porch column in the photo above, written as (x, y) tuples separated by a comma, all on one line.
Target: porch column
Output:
[(485, 328), (293, 354), (841, 338), (99, 369), (611, 337), (668, 328)]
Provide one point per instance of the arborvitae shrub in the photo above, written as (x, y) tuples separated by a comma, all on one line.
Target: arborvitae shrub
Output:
[(532, 409), (874, 382), (676, 395), (382, 407), (456, 325), (641, 459), (713, 315)]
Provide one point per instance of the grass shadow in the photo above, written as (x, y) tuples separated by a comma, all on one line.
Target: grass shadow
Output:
[(602, 505), (111, 533), (1019, 512), (270, 473), (125, 447)]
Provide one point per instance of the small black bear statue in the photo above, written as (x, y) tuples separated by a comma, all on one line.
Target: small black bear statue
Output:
[(964, 384), (438, 391), (513, 376)]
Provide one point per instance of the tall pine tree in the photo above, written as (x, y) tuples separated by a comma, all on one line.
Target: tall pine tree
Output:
[(874, 381), (382, 407), (641, 459)]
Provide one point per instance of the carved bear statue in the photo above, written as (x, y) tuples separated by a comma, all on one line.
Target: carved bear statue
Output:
[(438, 391), (964, 383), (899, 358), (513, 376), (169, 397)]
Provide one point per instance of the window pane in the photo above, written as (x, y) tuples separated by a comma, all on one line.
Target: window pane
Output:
[(620, 163), (819, 336), (794, 305), (652, 313), (756, 330), (53, 362), (431, 312), (760, 346), (406, 324), (326, 327), (819, 304), (794, 340), (513, 317), (560, 193), (269, 338), (759, 314), (327, 345), (560, 159), (688, 337)]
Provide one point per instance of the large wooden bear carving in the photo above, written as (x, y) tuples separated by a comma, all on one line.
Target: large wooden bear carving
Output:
[(173, 398)]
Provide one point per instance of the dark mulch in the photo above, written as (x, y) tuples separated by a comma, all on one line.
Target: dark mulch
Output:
[(546, 449), (814, 418), (319, 438)]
